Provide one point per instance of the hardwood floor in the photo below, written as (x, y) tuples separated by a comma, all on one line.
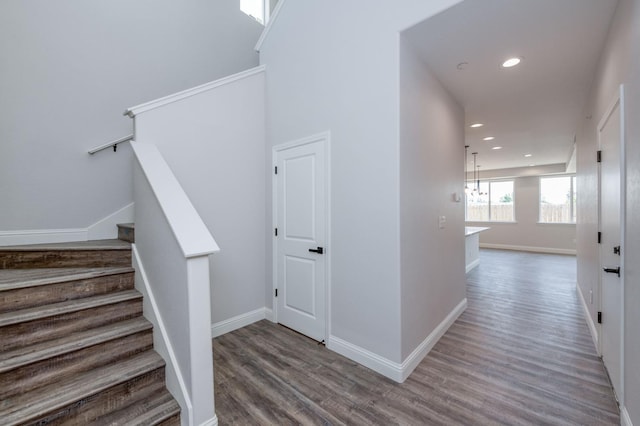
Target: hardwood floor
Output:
[(521, 354)]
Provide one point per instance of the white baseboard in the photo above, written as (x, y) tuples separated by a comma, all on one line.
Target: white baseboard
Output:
[(243, 320), (625, 419), (393, 370), (425, 347), (268, 314), (592, 326), (472, 265), (42, 236), (103, 229), (211, 422), (550, 250), (106, 228)]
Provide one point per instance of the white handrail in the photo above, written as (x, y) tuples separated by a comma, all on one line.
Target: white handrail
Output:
[(113, 144)]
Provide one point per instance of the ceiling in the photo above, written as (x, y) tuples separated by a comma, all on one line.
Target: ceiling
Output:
[(535, 107)]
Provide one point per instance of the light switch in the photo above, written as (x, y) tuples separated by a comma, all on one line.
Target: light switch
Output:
[(441, 221)]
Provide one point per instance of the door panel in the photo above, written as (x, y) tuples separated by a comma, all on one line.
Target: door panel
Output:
[(300, 204), (610, 226)]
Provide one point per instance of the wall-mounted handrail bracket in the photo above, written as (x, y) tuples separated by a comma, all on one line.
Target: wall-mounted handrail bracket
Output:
[(113, 144)]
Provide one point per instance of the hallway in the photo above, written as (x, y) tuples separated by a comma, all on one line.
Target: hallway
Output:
[(520, 354)]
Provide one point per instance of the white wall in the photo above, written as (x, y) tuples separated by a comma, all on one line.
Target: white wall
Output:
[(69, 68), (632, 235), (432, 262), (214, 143), (619, 64), (526, 233), (339, 72)]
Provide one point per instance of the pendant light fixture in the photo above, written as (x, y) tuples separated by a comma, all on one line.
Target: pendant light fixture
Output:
[(467, 190), (476, 183)]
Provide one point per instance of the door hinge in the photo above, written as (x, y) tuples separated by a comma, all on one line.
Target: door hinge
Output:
[(599, 237), (276, 232), (276, 170), (599, 317), (276, 292), (599, 157), (616, 250)]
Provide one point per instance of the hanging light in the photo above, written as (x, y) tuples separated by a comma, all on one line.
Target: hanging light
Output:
[(467, 190), (476, 183), (479, 193)]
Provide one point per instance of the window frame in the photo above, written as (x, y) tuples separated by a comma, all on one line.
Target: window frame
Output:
[(489, 182), (573, 181)]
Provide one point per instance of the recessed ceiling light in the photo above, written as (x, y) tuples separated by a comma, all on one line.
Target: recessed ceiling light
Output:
[(511, 62), (531, 165), (489, 138), (528, 155), (497, 147), (476, 125)]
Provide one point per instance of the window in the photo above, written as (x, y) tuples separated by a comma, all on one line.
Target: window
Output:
[(256, 9), (558, 199), (493, 203)]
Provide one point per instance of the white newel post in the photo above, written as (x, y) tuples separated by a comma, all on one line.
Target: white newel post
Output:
[(201, 351)]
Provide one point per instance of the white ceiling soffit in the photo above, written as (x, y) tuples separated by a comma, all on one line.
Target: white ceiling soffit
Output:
[(535, 107)]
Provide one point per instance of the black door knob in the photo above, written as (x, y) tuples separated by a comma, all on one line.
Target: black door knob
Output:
[(319, 250)]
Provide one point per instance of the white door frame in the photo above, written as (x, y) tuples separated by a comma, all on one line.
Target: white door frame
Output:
[(618, 100), (324, 137)]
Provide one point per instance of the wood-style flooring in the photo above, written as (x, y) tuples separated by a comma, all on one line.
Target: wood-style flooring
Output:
[(521, 354)]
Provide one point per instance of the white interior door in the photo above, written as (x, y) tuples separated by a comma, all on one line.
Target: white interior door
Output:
[(300, 210), (610, 134)]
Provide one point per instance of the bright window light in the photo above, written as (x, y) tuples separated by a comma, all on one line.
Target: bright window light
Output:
[(253, 8), (558, 199)]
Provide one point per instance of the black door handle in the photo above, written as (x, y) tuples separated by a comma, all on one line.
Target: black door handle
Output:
[(615, 270), (319, 250)]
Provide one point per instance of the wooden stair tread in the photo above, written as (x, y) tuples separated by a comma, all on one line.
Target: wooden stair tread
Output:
[(40, 402), (29, 354), (77, 245), (11, 279), (53, 309), (148, 411)]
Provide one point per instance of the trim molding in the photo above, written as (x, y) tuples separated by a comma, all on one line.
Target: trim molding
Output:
[(211, 422), (42, 236), (268, 314), (239, 321), (625, 419), (425, 347), (267, 29), (592, 326), (107, 227), (103, 229), (148, 106), (472, 265), (528, 248), (393, 370)]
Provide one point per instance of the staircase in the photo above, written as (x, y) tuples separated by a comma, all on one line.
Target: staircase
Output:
[(74, 347)]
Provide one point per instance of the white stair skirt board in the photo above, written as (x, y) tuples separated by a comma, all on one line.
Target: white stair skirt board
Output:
[(104, 229), (592, 327), (239, 321), (550, 250), (174, 379), (43, 236), (625, 419), (391, 369)]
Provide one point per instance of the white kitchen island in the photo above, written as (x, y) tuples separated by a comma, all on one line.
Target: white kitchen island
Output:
[(472, 246)]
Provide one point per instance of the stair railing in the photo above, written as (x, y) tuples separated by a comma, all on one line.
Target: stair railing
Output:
[(113, 144)]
